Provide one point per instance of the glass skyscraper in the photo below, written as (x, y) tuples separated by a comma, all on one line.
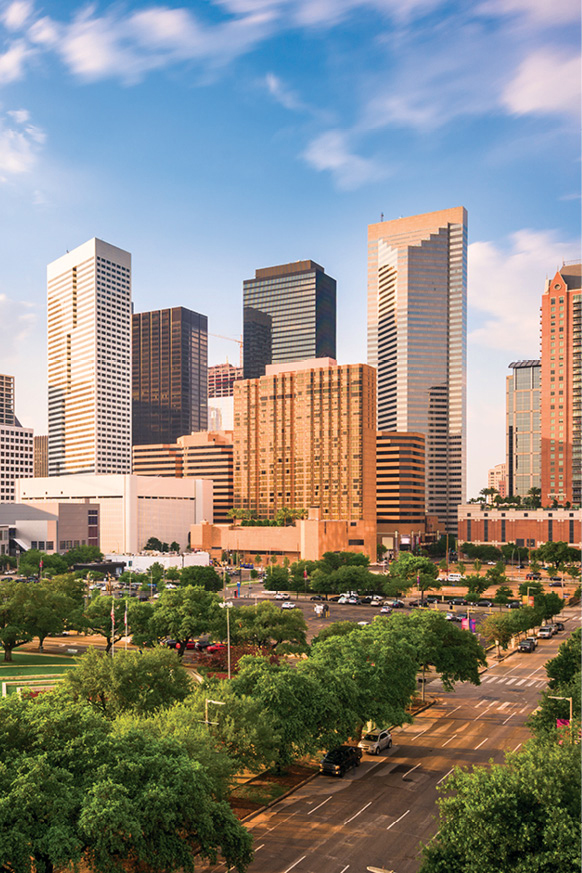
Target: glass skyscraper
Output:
[(170, 375), (417, 339), (289, 314), (523, 437)]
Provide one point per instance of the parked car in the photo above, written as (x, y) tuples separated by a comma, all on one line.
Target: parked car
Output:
[(432, 598), (414, 603), (545, 633), (335, 598), (364, 623), (534, 576), (338, 761), (455, 577), (376, 740), (316, 597), (174, 644), (354, 601), (376, 603), (556, 578), (526, 646), (385, 610), (397, 604), (513, 604), (288, 605), (216, 648), (555, 584), (458, 601), (281, 595), (450, 616), (560, 625), (533, 640), (487, 603)]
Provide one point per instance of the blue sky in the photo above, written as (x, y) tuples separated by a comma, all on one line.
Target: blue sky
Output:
[(213, 138)]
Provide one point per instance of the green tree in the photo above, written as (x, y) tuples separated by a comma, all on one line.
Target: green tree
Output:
[(181, 615), (204, 577), (77, 787), (530, 588), (335, 629), (503, 595), (105, 616), (566, 665), (455, 654), (154, 545), (16, 628), (276, 578), (548, 605), (381, 550), (410, 570), (556, 553), (29, 563), (521, 816), (83, 555), (476, 584), (129, 682), (174, 546), (265, 625), (498, 629), (48, 610)]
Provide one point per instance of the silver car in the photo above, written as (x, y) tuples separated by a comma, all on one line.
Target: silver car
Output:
[(376, 740)]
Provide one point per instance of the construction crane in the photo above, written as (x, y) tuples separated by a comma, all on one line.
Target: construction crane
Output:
[(232, 340)]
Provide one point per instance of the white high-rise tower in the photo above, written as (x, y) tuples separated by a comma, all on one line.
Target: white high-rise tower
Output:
[(89, 360), (417, 338)]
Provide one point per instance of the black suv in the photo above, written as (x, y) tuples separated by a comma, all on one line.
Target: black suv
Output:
[(337, 761), (527, 646)]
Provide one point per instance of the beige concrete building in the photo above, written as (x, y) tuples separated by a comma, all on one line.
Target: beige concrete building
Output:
[(7, 414), (51, 527), (200, 455), (305, 436), (306, 539), (417, 338), (40, 460), (89, 360), (497, 478), (131, 508)]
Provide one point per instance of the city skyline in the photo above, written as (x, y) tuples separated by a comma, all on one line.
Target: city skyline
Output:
[(157, 128)]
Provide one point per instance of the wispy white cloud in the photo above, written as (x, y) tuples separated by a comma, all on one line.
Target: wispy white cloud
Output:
[(505, 287), (537, 11), (331, 152), (19, 143), (283, 94), (16, 14), (18, 320), (12, 61), (545, 83)]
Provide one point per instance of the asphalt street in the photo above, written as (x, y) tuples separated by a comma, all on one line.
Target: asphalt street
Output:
[(379, 814)]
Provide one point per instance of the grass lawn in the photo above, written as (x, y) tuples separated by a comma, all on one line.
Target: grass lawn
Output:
[(25, 664), (260, 793)]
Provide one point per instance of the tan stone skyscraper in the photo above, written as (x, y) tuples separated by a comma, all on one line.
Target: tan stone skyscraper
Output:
[(89, 364), (305, 436), (417, 339)]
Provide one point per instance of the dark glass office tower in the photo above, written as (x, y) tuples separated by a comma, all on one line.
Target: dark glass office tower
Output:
[(289, 314), (170, 375)]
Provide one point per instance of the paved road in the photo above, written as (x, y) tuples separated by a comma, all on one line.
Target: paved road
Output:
[(379, 814)]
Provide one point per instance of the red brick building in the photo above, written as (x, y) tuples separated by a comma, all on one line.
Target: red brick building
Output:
[(524, 527), (560, 387)]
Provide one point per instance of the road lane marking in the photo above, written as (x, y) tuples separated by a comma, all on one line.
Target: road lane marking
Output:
[(463, 727), (481, 744), (445, 776), (416, 736), (358, 813), (517, 747), (493, 702), (523, 709), (449, 740), (262, 846), (510, 681), (533, 682), (282, 822), (454, 710), (410, 771), (295, 864), (345, 868), (321, 804), (395, 822), (534, 672), (521, 681), (508, 717), (503, 705)]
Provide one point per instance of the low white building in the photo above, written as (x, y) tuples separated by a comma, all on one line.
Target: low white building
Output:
[(142, 563), (132, 508)]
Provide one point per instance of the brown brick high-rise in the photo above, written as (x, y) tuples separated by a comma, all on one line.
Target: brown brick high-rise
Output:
[(305, 436)]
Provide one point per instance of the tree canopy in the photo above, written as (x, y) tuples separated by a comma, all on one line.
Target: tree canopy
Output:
[(519, 816), (76, 787)]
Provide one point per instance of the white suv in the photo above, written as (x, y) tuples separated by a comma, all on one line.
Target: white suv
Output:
[(376, 740)]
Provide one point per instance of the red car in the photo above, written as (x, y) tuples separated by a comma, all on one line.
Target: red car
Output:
[(173, 644), (215, 648)]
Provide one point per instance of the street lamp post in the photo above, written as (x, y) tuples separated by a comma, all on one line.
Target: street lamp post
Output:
[(227, 604), (552, 697)]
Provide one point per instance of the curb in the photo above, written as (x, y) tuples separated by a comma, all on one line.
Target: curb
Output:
[(256, 812), (278, 799)]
